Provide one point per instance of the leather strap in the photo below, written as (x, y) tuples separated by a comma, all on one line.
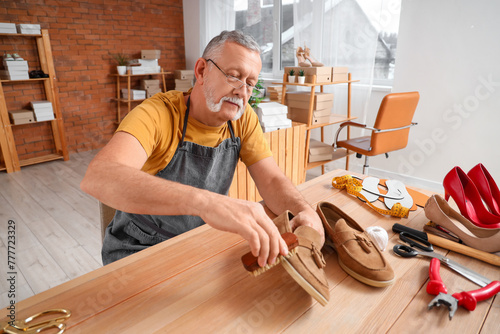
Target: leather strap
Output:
[(354, 187)]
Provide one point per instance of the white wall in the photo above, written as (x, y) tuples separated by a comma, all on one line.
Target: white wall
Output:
[(449, 51)]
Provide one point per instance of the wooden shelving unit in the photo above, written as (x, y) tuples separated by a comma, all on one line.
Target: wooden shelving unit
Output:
[(339, 153), (128, 100), (9, 159)]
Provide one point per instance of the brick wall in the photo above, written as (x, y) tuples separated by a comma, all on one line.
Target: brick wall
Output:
[(83, 36)]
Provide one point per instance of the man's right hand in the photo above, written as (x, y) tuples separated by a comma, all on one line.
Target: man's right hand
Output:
[(249, 220)]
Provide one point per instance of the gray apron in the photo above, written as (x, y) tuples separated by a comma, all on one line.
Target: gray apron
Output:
[(209, 168)]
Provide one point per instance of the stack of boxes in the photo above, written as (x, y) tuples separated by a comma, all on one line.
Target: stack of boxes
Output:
[(298, 107), (184, 80), (15, 70), (151, 86), (29, 29), (148, 63), (275, 93), (319, 151), (273, 116), (135, 94), (43, 110), (8, 28), (22, 116)]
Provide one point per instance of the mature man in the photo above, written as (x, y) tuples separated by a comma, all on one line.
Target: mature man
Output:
[(169, 165)]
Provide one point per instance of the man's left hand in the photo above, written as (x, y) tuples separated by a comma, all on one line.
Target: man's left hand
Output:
[(309, 218)]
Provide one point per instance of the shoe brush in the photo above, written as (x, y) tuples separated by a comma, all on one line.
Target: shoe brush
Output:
[(252, 266)]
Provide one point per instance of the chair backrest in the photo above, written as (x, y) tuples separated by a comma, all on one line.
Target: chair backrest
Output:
[(396, 110), (106, 214)]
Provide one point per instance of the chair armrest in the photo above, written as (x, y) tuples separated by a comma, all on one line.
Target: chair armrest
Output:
[(346, 124)]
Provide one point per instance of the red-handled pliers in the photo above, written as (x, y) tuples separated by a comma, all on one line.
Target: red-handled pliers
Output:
[(467, 299)]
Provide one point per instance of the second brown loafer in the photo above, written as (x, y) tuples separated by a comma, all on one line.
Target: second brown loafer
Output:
[(357, 254), (306, 266)]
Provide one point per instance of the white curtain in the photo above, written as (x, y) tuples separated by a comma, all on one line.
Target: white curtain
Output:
[(340, 33), (216, 16)]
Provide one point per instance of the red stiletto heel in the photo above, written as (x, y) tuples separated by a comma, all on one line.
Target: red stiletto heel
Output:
[(465, 194), (487, 187)]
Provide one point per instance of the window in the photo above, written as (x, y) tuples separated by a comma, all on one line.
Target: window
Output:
[(271, 22)]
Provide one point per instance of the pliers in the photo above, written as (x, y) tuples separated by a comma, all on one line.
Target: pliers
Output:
[(467, 299)]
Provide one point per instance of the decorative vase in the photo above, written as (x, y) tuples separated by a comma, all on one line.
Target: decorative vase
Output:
[(291, 78), (301, 79), (121, 70)]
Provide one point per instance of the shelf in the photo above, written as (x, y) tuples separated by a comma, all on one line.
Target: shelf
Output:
[(338, 154), (314, 84), (139, 75), (338, 119), (10, 157), (126, 101), (23, 80), (44, 158), (35, 122), (21, 35)]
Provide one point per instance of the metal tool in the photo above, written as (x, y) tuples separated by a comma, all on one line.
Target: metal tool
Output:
[(428, 251), (37, 323), (466, 299)]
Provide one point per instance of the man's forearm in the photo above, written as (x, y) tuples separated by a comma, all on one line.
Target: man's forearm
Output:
[(128, 189)]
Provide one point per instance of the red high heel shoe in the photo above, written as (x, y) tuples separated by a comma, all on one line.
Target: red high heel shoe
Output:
[(487, 187), (465, 194)]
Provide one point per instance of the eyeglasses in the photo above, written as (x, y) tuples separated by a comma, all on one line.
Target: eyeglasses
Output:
[(237, 83)]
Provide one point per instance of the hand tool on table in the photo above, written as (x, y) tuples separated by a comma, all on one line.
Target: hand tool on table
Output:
[(37, 323), (450, 245), (428, 251), (467, 299)]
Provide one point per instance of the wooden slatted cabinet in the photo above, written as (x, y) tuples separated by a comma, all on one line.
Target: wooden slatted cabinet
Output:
[(9, 159)]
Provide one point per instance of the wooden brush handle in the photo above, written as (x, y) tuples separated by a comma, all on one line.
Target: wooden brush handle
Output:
[(250, 262)]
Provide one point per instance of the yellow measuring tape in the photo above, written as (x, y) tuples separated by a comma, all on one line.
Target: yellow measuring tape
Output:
[(354, 187)]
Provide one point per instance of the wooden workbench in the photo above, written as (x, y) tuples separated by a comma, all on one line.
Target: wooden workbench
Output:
[(195, 283)]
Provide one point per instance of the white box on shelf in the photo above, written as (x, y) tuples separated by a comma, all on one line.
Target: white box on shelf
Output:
[(41, 104), (40, 118), (281, 122), (17, 65), (271, 108), (17, 75), (8, 28)]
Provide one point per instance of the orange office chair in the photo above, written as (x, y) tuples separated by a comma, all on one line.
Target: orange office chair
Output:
[(390, 131)]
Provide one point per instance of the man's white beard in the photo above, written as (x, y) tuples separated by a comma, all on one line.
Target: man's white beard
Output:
[(215, 107)]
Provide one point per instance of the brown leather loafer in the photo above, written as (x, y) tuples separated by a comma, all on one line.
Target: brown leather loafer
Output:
[(306, 266), (357, 254)]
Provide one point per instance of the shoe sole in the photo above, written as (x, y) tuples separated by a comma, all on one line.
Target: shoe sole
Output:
[(303, 283), (362, 279)]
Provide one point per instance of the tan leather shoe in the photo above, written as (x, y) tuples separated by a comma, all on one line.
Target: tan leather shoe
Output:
[(357, 254), (439, 212), (306, 266)]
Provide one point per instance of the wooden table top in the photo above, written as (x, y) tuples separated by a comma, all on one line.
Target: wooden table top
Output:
[(196, 283)]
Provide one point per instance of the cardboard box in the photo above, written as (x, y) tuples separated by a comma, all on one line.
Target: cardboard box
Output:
[(150, 84), (317, 147), (328, 104), (22, 116), (320, 157), (323, 74), (274, 128), (306, 96), (339, 73), (184, 74), (300, 115), (152, 91), (150, 54)]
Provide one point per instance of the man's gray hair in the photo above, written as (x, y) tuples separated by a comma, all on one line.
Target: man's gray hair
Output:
[(214, 47)]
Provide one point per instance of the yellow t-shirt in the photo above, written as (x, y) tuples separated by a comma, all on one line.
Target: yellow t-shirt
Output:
[(157, 124)]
